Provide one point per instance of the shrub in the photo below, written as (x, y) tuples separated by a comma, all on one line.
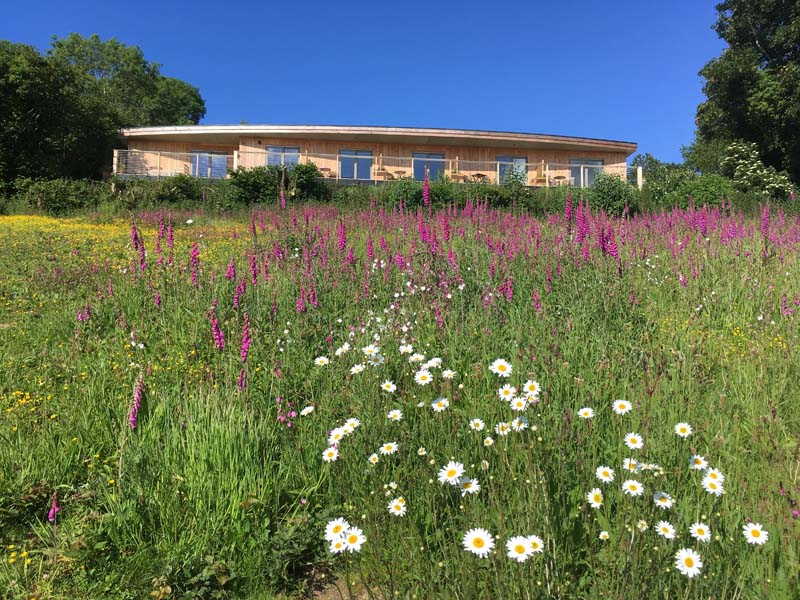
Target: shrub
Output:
[(256, 186), (60, 196), (743, 165), (703, 189), (611, 194), (179, 190)]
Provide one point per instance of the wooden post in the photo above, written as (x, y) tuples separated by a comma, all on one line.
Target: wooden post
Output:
[(115, 163), (546, 174), (158, 165), (235, 159), (639, 177)]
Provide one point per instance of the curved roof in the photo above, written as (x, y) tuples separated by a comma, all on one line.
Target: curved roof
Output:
[(230, 134)]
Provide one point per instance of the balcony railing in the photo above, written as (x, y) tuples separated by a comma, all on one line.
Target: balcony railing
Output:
[(365, 168)]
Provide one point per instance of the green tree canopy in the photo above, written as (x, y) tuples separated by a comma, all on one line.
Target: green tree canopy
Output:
[(753, 88), (60, 113)]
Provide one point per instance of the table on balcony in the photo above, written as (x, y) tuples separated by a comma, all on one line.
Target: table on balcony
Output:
[(382, 174), (479, 177), (400, 174), (458, 177)]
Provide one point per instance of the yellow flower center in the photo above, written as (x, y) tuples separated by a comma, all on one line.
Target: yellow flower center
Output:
[(352, 538), (337, 529), (598, 498), (478, 542), (755, 533), (688, 561), (451, 473), (519, 549)]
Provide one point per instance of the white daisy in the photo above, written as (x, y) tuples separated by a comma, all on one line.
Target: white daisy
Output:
[(330, 454), (373, 459), (501, 368), (406, 349), (519, 403), (397, 507), (306, 411), (716, 475), (502, 428), (423, 377), (389, 448), (507, 392), (451, 473), (665, 530), (479, 542), (395, 415), (321, 361), (469, 486), (519, 424), (476, 425), (755, 534), (440, 404), (683, 430), (518, 548), (488, 441), (641, 525), (700, 531), (354, 538), (688, 562), (632, 487), (586, 413), (337, 546), (352, 422), (416, 358), (595, 498), (712, 486), (622, 407), (356, 369), (371, 350), (433, 363), (604, 474), (336, 528), (536, 544), (697, 462), (421, 451), (388, 386), (634, 441), (531, 388), (375, 360), (629, 464), (448, 374), (336, 436), (663, 500), (604, 536)]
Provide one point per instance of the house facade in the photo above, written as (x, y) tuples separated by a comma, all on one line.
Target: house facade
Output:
[(372, 154)]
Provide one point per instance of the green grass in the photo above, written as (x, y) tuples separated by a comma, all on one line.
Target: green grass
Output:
[(212, 495)]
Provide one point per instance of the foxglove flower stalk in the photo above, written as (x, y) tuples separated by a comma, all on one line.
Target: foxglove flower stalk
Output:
[(568, 208), (216, 332), (138, 391), (426, 191), (54, 508), (230, 272), (253, 270), (246, 339)]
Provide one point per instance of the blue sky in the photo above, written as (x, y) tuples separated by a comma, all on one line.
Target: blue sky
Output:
[(620, 70)]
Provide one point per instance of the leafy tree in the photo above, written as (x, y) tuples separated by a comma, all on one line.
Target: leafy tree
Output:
[(661, 178), (753, 88)]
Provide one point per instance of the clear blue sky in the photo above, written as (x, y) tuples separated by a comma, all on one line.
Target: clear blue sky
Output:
[(621, 70)]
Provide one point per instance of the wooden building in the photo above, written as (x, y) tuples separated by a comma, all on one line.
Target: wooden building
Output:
[(362, 154)]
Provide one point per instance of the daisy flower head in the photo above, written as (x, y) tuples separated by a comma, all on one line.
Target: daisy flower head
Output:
[(306, 411), (440, 404), (501, 368), (586, 413), (595, 498), (389, 448), (375, 360), (683, 430), (448, 374), (634, 441), (622, 407), (416, 358), (662, 500), (536, 544), (688, 562), (336, 436), (519, 403), (373, 459), (502, 428), (469, 485), (356, 369), (604, 474), (423, 377), (342, 349), (632, 487), (371, 350), (641, 525), (712, 486), (630, 465), (395, 415), (700, 531), (697, 462), (337, 546), (352, 422), (434, 363), (519, 424), (716, 475), (406, 349), (479, 541), (421, 451), (330, 454), (397, 507), (476, 425), (604, 536), (321, 361), (336, 528), (488, 441), (755, 534), (451, 473), (665, 530), (518, 548), (531, 388), (388, 386), (507, 392), (354, 538)]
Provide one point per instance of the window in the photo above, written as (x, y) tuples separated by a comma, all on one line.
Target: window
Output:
[(508, 165), (355, 164), (583, 171), (431, 162), (213, 165), (283, 155)]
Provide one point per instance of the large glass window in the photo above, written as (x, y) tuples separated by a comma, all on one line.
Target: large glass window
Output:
[(355, 164), (583, 171), (212, 165), (431, 162), (512, 165), (283, 155)]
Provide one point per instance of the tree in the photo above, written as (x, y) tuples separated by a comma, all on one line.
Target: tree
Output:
[(753, 88)]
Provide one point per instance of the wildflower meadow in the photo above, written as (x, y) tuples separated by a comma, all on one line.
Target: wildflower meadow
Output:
[(412, 402)]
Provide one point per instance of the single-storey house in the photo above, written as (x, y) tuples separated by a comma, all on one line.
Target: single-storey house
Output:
[(372, 154)]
